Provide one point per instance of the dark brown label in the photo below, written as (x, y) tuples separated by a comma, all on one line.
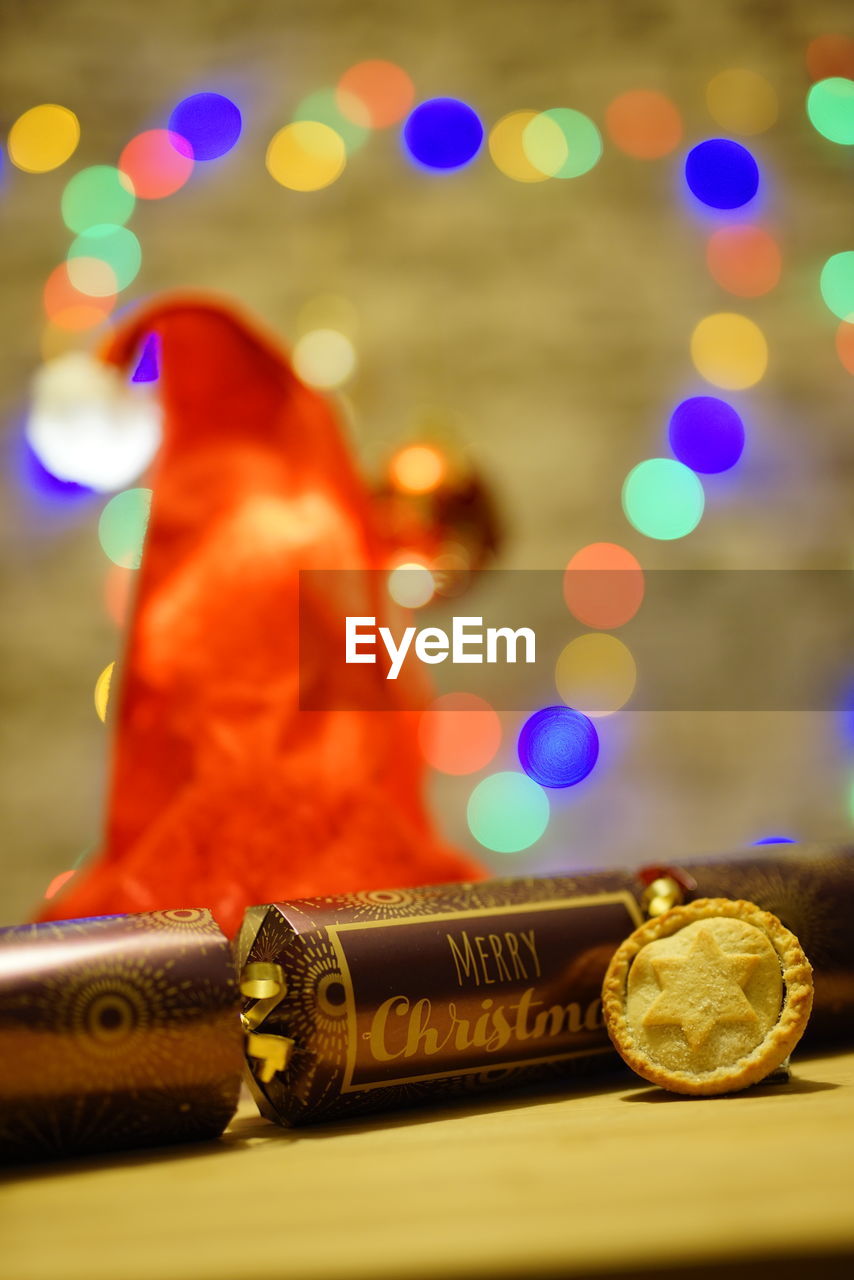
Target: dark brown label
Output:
[(496, 987)]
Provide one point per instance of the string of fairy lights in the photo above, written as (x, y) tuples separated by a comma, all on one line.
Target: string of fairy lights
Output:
[(663, 497)]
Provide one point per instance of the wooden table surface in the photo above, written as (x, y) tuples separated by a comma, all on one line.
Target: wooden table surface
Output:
[(620, 1180)]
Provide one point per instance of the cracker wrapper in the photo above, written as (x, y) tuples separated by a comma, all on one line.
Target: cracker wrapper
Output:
[(116, 1031), (390, 998)]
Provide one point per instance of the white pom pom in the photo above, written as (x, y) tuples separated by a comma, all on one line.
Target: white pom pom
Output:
[(89, 424)]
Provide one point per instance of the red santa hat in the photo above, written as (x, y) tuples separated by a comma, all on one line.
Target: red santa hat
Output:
[(223, 792)]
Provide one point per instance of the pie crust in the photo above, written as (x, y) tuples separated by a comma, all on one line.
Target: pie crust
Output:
[(708, 998)]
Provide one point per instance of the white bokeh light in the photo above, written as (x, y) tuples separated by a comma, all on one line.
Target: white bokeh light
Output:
[(324, 358), (89, 425)]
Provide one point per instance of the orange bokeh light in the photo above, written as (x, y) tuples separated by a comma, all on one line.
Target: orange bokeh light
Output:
[(67, 308), (603, 585), (57, 883), (744, 260), (157, 163), (418, 468), (380, 88), (845, 345), (460, 733), (644, 124), (831, 55)]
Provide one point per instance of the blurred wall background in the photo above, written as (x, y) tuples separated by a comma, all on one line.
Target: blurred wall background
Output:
[(548, 322)]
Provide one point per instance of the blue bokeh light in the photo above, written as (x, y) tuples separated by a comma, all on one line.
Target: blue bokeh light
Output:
[(775, 840), (42, 485), (558, 746), (846, 715), (721, 173), (148, 366), (210, 122), (706, 434), (443, 133)]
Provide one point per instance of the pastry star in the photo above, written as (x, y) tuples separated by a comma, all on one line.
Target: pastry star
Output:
[(701, 989)]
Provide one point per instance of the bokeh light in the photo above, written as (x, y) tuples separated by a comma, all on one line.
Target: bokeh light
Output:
[(721, 173), (443, 134), (157, 163), (830, 55), (417, 468), (94, 279), (68, 307), (100, 194), (86, 426), (102, 691), (381, 89), (306, 156), (507, 148), (117, 246), (210, 122), (644, 123), (837, 284), (558, 747), (830, 107), (745, 260), (459, 733), (507, 812), (324, 358), (603, 585), (43, 138), (122, 527), (742, 101), (562, 143), (57, 883), (324, 106), (663, 499), (845, 345), (729, 351), (706, 434), (596, 674), (411, 585), (148, 366), (56, 340)]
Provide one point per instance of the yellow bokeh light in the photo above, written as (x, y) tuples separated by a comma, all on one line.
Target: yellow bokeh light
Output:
[(742, 101), (418, 468), (729, 351), (545, 145), (102, 691), (43, 138), (324, 358), (506, 146), (58, 341), (596, 674), (306, 155), (411, 585)]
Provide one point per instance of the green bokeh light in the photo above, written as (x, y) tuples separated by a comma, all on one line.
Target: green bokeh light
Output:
[(322, 107), (122, 526), (830, 107), (837, 284), (562, 143), (663, 499), (116, 246), (95, 196), (508, 812)]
